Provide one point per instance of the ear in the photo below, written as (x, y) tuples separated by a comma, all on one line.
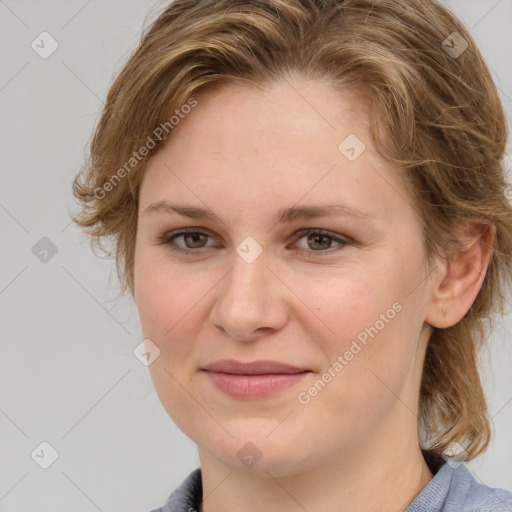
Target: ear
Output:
[(460, 278)]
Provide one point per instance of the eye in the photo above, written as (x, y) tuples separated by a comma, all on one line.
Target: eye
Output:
[(319, 241), (193, 238)]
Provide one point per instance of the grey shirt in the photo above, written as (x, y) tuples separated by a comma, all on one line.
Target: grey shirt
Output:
[(453, 489)]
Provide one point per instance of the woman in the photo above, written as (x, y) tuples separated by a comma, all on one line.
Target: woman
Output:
[(308, 203)]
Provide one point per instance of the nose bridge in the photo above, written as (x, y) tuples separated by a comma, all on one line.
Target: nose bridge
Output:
[(249, 271)]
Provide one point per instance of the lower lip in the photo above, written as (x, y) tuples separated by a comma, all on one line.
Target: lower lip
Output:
[(254, 386)]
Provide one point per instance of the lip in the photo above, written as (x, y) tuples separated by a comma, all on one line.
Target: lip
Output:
[(257, 379), (261, 367)]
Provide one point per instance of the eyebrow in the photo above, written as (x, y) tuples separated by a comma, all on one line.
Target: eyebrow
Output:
[(284, 215)]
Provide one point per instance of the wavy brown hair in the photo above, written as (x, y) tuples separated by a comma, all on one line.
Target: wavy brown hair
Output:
[(435, 115)]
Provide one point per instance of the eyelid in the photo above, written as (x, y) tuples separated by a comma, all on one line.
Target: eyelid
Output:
[(335, 236), (166, 238), (342, 240)]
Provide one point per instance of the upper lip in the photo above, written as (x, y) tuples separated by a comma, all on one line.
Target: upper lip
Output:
[(261, 367)]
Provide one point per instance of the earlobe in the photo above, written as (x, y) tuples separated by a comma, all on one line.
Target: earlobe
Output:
[(458, 285)]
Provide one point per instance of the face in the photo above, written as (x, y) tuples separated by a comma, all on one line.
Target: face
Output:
[(339, 295)]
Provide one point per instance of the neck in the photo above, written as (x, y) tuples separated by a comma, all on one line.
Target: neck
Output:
[(373, 477)]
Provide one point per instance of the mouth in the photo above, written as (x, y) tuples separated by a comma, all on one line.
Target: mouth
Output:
[(257, 379)]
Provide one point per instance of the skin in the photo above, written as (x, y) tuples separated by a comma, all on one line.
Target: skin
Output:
[(245, 153)]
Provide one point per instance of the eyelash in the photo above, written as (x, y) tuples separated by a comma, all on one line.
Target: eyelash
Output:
[(167, 240)]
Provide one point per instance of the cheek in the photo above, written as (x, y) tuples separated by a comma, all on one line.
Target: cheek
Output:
[(168, 305), (363, 335), (373, 374), (167, 298), (362, 381), (369, 337), (349, 303)]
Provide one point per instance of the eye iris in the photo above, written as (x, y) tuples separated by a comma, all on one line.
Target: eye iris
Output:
[(194, 237), (197, 240), (313, 237)]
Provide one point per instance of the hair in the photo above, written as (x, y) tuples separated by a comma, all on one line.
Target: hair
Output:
[(437, 116)]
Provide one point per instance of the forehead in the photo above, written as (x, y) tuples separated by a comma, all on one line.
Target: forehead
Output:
[(291, 109), (287, 142)]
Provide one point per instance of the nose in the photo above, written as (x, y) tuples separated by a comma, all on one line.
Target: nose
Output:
[(251, 300)]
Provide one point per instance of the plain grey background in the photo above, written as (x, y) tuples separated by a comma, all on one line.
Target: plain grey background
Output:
[(68, 374)]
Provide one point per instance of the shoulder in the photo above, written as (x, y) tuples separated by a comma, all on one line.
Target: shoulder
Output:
[(467, 494), (186, 497), (455, 489)]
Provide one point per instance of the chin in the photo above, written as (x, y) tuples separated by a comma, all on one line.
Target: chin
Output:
[(267, 461), (256, 449)]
